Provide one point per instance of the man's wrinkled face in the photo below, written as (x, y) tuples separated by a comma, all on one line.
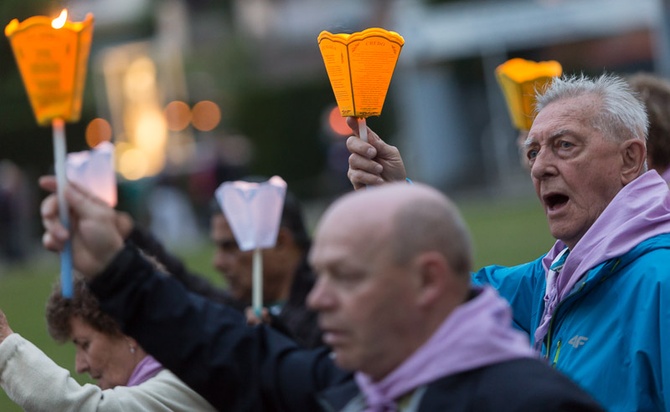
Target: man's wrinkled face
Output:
[(576, 171)]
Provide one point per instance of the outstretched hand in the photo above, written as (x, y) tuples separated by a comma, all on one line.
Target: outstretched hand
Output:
[(5, 330), (372, 163), (253, 319), (93, 227)]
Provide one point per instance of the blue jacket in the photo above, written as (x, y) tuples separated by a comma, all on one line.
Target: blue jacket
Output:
[(612, 333)]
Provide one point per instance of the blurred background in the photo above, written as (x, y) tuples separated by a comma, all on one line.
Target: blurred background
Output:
[(196, 92)]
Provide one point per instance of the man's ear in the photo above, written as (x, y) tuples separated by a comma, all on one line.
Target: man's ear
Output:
[(433, 271), (633, 154)]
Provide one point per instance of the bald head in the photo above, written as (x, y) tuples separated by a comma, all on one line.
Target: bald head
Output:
[(405, 220)]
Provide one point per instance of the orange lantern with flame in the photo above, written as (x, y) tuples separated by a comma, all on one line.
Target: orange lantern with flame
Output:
[(52, 56)]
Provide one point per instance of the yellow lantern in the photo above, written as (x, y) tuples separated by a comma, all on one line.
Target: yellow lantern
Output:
[(520, 80), (360, 67), (52, 56)]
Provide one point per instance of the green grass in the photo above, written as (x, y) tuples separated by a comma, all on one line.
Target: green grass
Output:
[(504, 232), (507, 232)]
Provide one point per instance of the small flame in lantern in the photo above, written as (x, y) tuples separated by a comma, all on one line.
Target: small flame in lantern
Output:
[(59, 21)]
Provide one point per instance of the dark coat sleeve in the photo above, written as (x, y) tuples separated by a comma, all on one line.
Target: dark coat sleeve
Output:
[(208, 345), (194, 282)]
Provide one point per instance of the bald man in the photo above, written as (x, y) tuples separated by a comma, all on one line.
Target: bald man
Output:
[(405, 328)]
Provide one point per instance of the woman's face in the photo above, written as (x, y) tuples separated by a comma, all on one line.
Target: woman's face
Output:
[(109, 360)]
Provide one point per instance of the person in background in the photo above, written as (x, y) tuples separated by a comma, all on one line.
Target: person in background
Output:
[(127, 378), (654, 91), (287, 277), (16, 207), (407, 329), (595, 305)]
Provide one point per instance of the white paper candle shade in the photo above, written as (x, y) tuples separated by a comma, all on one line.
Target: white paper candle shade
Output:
[(253, 211), (94, 170)]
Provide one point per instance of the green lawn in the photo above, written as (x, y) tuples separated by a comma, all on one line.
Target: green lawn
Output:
[(505, 232)]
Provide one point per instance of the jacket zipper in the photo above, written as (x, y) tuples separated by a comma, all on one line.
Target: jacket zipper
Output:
[(551, 322), (558, 351)]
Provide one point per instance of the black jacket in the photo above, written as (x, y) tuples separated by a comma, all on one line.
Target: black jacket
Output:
[(294, 319), (240, 368)]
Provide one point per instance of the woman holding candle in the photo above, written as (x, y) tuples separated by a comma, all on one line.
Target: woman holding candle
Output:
[(127, 377)]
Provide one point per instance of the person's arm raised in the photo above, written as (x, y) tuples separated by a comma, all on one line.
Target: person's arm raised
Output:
[(93, 228), (372, 163), (5, 330)]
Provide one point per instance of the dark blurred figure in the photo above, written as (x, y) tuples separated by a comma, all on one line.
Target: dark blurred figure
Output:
[(14, 208), (654, 91)]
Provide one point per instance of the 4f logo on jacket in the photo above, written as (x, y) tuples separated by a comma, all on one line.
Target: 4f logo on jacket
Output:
[(577, 341)]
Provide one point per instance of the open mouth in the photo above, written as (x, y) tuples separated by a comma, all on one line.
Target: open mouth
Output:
[(555, 201)]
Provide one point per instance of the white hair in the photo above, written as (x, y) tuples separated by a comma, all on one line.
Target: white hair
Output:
[(622, 115)]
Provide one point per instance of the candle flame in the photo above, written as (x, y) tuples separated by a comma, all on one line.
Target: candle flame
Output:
[(59, 21)]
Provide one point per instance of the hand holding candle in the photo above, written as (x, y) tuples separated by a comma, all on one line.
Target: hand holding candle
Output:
[(254, 211), (360, 67), (52, 56)]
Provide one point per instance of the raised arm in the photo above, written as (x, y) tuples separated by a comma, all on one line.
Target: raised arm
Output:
[(5, 330), (150, 245), (36, 383)]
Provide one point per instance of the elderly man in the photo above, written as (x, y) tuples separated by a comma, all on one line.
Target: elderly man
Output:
[(595, 305), (394, 300)]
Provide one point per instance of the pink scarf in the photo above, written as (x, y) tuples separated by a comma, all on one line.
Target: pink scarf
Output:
[(476, 334), (666, 175), (145, 370), (641, 210)]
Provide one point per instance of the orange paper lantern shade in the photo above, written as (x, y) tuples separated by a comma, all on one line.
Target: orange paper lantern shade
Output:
[(360, 67), (52, 58), (519, 80)]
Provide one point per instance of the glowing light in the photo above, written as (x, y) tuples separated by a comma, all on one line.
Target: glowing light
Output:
[(139, 81), (150, 136), (97, 131), (132, 164), (206, 115), (338, 124), (149, 130), (59, 21), (177, 115)]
